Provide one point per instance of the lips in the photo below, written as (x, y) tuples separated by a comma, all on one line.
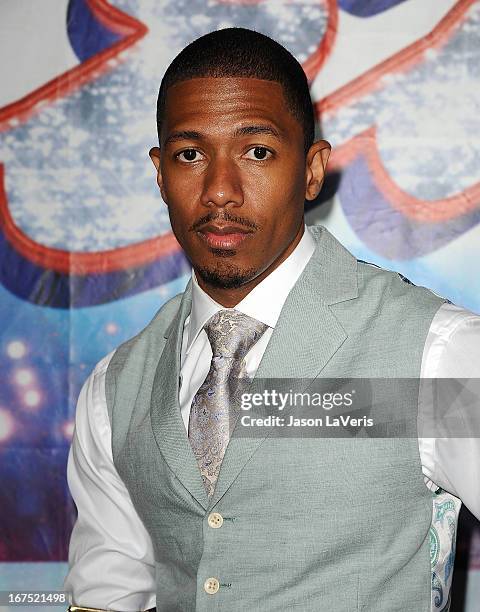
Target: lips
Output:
[(223, 236)]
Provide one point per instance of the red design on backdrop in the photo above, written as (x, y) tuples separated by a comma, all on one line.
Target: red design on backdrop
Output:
[(365, 143)]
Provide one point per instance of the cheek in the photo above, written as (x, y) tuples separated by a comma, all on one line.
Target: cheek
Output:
[(275, 198), (259, 191), (181, 198), (177, 191), (284, 179), (179, 184)]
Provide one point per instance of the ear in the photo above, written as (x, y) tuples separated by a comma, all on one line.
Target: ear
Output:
[(317, 158), (155, 156)]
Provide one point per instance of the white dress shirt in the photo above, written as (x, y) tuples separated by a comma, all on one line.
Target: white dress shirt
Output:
[(111, 555)]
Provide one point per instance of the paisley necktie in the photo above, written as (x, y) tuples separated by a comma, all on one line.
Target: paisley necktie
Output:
[(231, 335)]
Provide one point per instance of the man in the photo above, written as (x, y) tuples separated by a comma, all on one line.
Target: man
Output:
[(175, 511)]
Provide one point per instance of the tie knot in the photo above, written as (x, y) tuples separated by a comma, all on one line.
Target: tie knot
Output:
[(232, 333)]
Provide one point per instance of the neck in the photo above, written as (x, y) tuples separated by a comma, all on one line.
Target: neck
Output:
[(230, 297)]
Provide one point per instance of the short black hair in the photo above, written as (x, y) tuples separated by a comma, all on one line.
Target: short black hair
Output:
[(239, 52)]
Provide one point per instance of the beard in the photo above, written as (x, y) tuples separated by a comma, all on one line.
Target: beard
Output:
[(226, 276)]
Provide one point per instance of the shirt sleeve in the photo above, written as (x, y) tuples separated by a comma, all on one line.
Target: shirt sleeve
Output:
[(452, 350), (111, 560)]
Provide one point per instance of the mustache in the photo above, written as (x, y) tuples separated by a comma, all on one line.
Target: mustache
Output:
[(226, 216)]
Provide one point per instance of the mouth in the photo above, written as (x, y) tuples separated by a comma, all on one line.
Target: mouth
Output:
[(223, 236)]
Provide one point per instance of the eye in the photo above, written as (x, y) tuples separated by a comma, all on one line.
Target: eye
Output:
[(189, 155), (259, 153)]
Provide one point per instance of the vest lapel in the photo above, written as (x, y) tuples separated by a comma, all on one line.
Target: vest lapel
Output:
[(167, 423), (306, 336)]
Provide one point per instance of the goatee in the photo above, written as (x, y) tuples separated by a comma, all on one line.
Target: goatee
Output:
[(229, 277)]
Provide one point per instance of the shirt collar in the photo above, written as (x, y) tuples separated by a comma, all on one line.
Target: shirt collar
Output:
[(264, 302)]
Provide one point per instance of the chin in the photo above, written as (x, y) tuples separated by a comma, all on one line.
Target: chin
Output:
[(226, 276)]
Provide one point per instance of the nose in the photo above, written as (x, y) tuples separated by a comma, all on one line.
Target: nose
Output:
[(222, 184)]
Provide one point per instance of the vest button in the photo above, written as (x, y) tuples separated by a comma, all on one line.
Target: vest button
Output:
[(215, 520), (211, 586)]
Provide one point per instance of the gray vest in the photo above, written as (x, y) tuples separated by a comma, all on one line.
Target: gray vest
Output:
[(334, 524)]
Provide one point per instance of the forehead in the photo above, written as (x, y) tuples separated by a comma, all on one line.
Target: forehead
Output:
[(220, 103)]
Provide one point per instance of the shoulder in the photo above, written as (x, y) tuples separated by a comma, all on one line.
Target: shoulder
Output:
[(154, 331), (394, 285), (368, 271)]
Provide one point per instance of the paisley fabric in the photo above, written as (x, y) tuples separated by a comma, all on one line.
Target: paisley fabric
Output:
[(231, 335), (443, 533)]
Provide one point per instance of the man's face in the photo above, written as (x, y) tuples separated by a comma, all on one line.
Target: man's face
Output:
[(233, 173)]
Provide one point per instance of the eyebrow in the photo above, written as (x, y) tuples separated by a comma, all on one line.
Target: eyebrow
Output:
[(183, 135), (252, 130), (248, 130)]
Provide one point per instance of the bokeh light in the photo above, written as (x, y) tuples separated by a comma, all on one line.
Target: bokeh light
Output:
[(32, 398), (16, 349), (67, 429), (111, 328), (7, 425), (23, 377)]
